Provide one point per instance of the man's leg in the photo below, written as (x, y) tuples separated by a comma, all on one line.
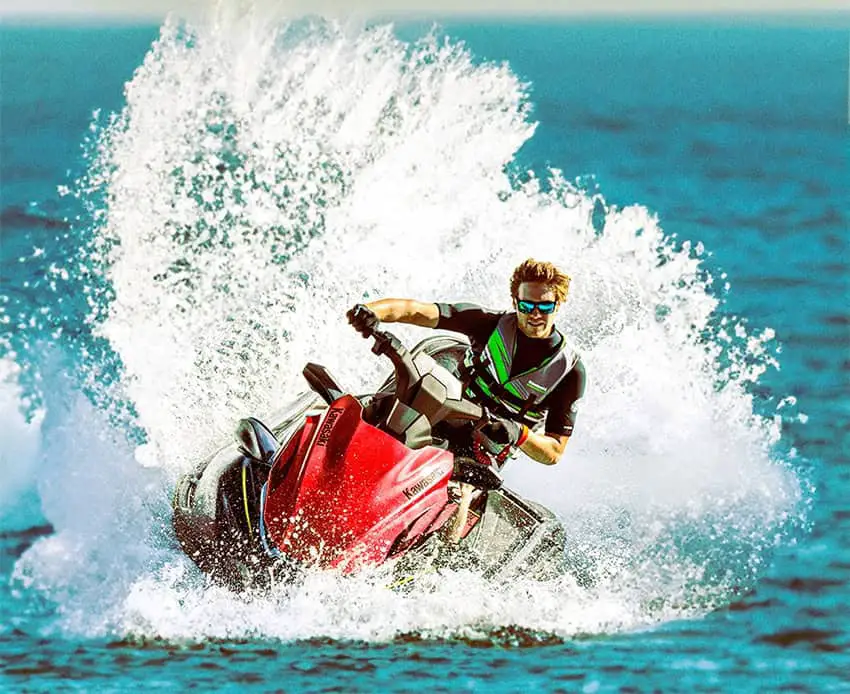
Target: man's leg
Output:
[(454, 528)]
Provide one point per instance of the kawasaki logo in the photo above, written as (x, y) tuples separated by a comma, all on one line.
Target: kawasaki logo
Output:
[(422, 484), (327, 427)]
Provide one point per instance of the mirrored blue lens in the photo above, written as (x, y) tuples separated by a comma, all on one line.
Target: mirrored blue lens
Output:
[(529, 306)]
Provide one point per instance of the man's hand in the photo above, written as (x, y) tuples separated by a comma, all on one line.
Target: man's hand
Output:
[(363, 319), (502, 431)]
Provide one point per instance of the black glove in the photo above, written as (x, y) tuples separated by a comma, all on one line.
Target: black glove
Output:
[(363, 319), (502, 431)]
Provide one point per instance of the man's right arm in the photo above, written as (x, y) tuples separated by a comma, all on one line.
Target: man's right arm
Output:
[(405, 311)]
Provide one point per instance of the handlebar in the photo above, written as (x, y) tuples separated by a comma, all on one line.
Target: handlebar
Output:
[(388, 345), (409, 375)]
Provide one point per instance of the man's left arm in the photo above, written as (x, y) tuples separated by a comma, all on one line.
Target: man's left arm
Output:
[(560, 419), (544, 448)]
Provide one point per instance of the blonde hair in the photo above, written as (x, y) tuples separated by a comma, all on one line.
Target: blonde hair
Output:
[(545, 273)]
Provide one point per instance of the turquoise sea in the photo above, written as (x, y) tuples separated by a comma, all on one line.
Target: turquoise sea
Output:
[(187, 212)]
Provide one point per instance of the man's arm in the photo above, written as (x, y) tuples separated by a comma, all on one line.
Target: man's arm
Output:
[(405, 311), (544, 448), (549, 447)]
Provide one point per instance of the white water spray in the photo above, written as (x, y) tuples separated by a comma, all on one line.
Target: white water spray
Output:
[(19, 449), (263, 178)]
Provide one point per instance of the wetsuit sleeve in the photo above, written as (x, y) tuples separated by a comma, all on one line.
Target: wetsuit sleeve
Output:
[(475, 322), (563, 402)]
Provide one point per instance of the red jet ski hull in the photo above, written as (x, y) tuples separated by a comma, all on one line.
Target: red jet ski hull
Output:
[(345, 494)]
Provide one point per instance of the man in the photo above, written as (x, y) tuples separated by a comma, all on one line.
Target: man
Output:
[(520, 366)]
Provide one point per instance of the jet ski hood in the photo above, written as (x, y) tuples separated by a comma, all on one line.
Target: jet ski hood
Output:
[(342, 488)]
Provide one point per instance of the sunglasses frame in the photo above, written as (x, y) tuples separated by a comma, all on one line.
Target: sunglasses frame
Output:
[(536, 305)]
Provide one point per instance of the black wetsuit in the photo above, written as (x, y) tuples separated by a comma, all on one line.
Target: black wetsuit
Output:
[(478, 324)]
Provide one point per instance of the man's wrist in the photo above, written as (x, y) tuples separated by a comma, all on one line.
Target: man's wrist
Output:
[(523, 435)]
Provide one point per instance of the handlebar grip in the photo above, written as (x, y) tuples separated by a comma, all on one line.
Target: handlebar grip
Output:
[(363, 320)]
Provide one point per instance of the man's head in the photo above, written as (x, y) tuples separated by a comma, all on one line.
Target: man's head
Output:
[(538, 290)]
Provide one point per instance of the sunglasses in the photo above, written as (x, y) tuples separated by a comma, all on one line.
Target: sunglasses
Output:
[(544, 307)]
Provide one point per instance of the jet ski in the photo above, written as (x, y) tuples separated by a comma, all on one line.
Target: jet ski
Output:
[(346, 482)]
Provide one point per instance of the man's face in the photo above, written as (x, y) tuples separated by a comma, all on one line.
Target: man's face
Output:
[(535, 324)]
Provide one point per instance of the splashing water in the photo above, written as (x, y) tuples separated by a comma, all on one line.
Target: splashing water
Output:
[(19, 445), (262, 178)]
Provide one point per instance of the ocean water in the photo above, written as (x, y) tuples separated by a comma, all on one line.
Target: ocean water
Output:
[(187, 211)]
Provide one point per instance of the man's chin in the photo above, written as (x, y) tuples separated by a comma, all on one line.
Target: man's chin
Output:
[(535, 331)]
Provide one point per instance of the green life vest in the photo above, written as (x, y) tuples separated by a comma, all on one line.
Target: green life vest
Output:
[(519, 396)]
